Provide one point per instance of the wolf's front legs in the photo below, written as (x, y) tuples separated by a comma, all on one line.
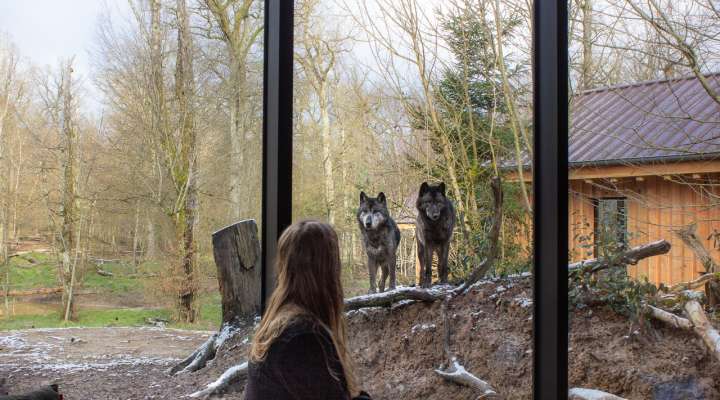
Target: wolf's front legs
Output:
[(425, 255), (392, 263), (383, 276), (443, 254), (372, 270)]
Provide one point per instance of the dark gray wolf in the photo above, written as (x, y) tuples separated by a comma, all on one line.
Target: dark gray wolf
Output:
[(380, 238), (433, 230), (48, 393)]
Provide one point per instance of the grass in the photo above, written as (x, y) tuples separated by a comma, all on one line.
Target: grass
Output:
[(86, 318), (124, 282)]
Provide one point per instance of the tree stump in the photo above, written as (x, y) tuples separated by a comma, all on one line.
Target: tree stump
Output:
[(236, 249)]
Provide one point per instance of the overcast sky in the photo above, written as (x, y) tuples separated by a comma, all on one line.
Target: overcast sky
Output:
[(46, 31)]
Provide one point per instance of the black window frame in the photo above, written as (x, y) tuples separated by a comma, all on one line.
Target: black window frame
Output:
[(550, 185)]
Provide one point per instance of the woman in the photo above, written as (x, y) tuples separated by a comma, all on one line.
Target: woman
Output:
[(300, 349)]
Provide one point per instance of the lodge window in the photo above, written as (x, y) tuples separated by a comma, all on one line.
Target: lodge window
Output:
[(610, 234)]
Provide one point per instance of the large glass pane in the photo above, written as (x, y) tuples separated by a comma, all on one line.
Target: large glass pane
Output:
[(130, 132), (643, 197), (391, 96)]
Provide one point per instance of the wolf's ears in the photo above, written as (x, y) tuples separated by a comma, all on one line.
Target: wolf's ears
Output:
[(381, 197), (424, 188), (363, 197), (441, 186)]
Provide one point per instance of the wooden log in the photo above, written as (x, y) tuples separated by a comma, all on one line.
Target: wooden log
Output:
[(34, 292), (590, 394), (694, 284), (703, 327), (24, 253), (386, 299), (669, 318), (236, 249), (689, 237), (631, 256), (230, 377)]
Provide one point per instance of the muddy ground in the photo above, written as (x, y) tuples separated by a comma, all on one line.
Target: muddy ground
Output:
[(396, 351)]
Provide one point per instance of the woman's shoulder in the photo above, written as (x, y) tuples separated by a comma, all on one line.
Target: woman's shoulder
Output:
[(302, 327)]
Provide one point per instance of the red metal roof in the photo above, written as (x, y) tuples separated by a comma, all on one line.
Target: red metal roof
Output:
[(665, 120)]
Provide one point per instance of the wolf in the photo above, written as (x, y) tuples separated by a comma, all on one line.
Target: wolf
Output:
[(434, 229), (380, 238)]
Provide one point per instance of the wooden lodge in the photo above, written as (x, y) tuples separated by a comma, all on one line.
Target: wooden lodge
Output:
[(644, 164)]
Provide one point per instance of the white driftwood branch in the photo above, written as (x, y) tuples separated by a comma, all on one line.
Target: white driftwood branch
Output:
[(703, 327), (458, 374), (694, 284), (455, 372), (385, 299), (669, 318), (590, 394), (631, 256), (229, 377), (206, 352)]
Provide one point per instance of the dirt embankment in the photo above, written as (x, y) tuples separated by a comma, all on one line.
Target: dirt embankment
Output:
[(397, 349)]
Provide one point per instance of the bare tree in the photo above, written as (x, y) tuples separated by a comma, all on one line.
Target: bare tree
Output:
[(240, 30)]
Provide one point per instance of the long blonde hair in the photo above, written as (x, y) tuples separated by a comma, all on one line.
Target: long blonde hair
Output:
[(308, 285)]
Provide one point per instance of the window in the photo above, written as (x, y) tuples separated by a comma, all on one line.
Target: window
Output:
[(610, 223)]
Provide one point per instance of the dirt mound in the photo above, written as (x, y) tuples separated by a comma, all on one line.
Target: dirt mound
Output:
[(396, 350)]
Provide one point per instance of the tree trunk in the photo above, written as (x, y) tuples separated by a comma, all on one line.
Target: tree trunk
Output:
[(136, 259), (68, 234), (327, 151), (236, 249), (237, 135), (688, 236), (587, 60)]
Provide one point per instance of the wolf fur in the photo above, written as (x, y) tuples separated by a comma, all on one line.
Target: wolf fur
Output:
[(434, 229), (47, 393), (380, 238)]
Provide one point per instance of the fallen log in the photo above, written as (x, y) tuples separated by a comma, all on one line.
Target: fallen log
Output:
[(590, 394), (34, 292), (456, 372), (230, 377), (390, 297), (24, 253), (631, 256), (703, 328), (669, 318), (694, 284), (102, 272), (696, 322)]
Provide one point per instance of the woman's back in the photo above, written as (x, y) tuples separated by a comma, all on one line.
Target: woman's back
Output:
[(301, 364)]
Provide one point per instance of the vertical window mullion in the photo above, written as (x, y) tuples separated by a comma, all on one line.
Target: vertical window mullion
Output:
[(550, 187), (277, 134)]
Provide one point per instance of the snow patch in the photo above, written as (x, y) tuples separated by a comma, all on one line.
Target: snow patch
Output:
[(423, 327)]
